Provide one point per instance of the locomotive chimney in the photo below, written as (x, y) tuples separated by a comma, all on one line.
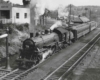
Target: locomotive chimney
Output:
[(31, 35)]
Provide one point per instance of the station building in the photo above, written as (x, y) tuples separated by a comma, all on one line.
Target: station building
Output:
[(11, 13)]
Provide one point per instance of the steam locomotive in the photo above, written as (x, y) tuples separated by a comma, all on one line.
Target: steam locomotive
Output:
[(37, 49)]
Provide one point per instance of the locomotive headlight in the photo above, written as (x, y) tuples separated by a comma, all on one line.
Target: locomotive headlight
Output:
[(26, 46)]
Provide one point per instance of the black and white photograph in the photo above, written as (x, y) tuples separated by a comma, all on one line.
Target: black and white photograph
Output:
[(49, 40)]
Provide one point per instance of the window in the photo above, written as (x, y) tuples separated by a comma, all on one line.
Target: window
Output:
[(17, 15), (25, 15)]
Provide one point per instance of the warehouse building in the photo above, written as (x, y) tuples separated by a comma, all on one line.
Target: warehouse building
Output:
[(14, 13)]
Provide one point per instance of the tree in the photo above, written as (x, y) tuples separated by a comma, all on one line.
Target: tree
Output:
[(26, 2)]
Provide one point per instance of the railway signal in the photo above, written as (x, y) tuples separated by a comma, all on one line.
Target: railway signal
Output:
[(7, 51), (3, 36), (6, 35)]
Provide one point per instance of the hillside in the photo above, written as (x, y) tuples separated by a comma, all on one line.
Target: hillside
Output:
[(92, 12)]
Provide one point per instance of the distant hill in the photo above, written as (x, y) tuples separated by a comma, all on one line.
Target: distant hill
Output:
[(92, 12)]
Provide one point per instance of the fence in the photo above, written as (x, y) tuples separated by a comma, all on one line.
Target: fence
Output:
[(4, 21)]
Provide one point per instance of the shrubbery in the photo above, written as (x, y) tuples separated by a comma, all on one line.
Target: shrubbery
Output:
[(17, 34)]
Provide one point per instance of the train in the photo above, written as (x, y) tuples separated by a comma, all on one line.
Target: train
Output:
[(36, 49)]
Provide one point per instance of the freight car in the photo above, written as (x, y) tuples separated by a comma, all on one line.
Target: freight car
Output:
[(36, 49)]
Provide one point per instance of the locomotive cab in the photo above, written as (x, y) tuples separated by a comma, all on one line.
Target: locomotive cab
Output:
[(63, 36), (62, 33)]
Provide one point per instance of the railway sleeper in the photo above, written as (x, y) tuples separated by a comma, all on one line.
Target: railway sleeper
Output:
[(53, 78)]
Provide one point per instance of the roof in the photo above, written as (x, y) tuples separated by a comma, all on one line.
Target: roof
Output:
[(19, 6), (76, 19), (7, 5), (61, 30), (84, 19), (79, 19)]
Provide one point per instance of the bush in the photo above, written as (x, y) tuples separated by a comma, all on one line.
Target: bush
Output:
[(18, 33)]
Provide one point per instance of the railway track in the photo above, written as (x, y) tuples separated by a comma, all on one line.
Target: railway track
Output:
[(3, 72), (18, 74), (69, 65), (11, 75), (59, 72)]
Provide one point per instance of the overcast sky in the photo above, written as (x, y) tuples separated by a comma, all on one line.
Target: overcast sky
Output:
[(66, 2)]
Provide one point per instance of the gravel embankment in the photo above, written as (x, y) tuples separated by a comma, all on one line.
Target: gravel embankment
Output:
[(89, 67)]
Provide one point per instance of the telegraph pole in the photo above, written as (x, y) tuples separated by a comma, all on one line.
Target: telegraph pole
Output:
[(90, 14), (69, 23), (7, 52)]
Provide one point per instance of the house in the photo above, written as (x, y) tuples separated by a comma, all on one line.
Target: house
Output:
[(14, 13)]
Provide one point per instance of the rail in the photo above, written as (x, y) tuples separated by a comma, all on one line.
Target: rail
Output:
[(3, 72), (70, 64), (18, 74)]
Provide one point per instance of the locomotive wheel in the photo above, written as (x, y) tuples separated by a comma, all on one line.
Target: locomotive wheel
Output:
[(35, 62), (53, 49), (73, 40), (20, 64), (29, 65), (39, 58), (65, 45)]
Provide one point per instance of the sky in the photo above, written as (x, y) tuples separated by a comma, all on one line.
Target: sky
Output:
[(66, 2)]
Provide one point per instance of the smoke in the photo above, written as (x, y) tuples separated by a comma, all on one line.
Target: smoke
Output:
[(63, 12), (38, 8), (40, 5)]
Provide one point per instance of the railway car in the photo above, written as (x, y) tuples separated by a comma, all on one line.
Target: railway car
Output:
[(93, 25), (83, 29), (36, 49), (80, 30)]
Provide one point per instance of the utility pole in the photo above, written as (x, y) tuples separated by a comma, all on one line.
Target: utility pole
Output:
[(69, 23), (90, 14), (7, 52)]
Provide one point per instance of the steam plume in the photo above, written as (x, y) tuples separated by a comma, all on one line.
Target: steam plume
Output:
[(38, 8)]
